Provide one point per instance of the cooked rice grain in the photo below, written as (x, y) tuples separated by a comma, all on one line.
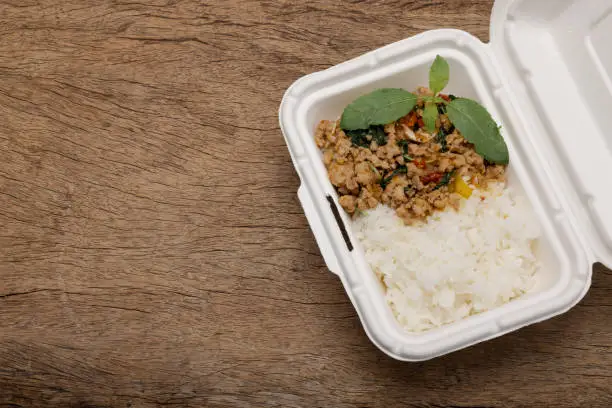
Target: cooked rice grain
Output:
[(458, 263)]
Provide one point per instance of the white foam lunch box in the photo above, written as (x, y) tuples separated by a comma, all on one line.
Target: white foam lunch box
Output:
[(546, 77)]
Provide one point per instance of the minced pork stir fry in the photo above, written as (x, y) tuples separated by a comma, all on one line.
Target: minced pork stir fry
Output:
[(403, 165)]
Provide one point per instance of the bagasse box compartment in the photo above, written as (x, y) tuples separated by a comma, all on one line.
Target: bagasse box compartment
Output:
[(546, 77)]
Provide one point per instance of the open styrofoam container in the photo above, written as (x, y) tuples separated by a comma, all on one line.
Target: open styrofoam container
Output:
[(546, 77)]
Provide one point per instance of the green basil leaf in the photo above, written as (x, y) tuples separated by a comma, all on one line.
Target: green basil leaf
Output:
[(446, 179), (441, 138), (379, 135), (479, 128), (430, 114), (402, 144), (438, 74), (381, 107), (359, 137), (386, 180)]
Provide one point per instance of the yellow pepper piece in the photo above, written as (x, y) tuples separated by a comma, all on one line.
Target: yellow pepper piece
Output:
[(460, 187)]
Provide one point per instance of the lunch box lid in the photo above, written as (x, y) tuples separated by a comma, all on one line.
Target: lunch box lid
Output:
[(554, 60)]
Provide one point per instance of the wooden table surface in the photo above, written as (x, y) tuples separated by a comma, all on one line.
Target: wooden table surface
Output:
[(152, 247)]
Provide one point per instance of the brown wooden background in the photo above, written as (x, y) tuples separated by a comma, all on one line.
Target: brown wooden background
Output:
[(152, 248)]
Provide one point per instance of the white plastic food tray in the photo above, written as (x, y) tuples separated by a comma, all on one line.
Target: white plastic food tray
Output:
[(546, 77)]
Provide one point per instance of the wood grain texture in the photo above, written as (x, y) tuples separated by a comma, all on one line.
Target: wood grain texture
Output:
[(152, 248)]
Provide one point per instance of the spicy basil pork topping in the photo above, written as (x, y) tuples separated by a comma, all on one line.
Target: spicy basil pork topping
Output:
[(404, 164)]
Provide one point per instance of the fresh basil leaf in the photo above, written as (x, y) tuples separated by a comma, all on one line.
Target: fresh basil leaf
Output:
[(430, 114), (438, 74), (479, 128), (381, 107)]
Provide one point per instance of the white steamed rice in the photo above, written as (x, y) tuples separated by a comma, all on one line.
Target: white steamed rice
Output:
[(458, 263)]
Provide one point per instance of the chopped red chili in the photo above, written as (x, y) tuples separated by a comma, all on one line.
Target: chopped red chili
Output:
[(420, 163), (434, 177)]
